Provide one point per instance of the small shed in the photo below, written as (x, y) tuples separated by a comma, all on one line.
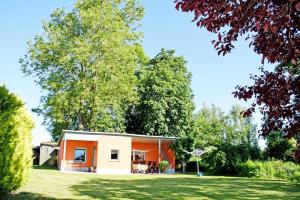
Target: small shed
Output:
[(48, 153), (36, 155)]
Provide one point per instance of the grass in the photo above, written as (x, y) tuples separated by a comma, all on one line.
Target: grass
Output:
[(52, 184)]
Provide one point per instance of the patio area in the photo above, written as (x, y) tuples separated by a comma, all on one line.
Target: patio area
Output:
[(147, 154)]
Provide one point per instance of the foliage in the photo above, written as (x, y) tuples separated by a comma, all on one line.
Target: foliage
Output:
[(271, 169), (209, 126), (213, 127), (182, 144), (272, 26), (280, 148), (227, 157), (85, 62), (278, 95), (165, 104), (233, 137), (163, 165), (15, 142)]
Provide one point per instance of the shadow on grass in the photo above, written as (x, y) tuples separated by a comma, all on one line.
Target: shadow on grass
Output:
[(27, 196), (174, 187), (45, 167), (178, 188)]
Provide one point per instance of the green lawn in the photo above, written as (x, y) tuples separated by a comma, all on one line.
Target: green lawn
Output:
[(52, 184)]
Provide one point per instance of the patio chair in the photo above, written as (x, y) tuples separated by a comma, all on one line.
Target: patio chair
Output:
[(149, 166), (134, 168), (154, 168)]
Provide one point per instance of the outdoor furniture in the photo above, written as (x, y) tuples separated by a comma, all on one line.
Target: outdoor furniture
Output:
[(154, 167), (149, 166), (133, 168), (139, 168)]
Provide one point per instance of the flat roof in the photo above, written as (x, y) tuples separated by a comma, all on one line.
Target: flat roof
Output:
[(53, 144), (118, 134)]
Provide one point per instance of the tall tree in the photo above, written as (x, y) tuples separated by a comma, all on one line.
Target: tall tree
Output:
[(212, 127), (15, 142), (240, 130), (209, 126), (165, 104), (272, 26), (85, 62)]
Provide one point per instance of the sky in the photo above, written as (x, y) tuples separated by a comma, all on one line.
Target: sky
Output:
[(214, 77)]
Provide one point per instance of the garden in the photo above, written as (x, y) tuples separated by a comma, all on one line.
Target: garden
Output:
[(52, 184), (93, 72)]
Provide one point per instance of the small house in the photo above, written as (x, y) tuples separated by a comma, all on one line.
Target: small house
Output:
[(114, 153)]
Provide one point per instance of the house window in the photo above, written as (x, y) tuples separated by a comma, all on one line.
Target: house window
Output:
[(138, 155), (80, 155), (114, 154)]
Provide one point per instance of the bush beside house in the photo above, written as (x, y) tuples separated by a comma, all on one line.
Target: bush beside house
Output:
[(163, 165), (15, 142)]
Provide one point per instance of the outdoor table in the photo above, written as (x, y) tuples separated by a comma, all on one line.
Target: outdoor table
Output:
[(140, 168)]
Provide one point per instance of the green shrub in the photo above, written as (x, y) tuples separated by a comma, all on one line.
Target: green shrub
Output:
[(192, 166), (280, 148), (271, 169), (297, 176), (226, 158), (15, 142), (163, 165)]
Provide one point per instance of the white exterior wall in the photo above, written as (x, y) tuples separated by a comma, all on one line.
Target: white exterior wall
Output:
[(104, 163)]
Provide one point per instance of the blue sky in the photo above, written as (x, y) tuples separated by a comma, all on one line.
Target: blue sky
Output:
[(214, 77)]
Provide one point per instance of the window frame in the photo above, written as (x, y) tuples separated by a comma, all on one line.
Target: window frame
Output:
[(118, 150), (85, 154), (134, 153)]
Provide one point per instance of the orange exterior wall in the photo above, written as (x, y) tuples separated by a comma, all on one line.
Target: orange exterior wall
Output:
[(152, 152), (150, 148), (170, 154), (71, 145)]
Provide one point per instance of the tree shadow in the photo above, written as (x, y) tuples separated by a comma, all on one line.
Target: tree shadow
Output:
[(178, 188), (47, 167), (27, 196)]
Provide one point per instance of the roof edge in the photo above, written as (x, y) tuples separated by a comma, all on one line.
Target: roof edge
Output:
[(118, 134)]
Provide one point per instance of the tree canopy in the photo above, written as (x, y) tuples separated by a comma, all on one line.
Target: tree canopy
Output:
[(165, 105), (272, 26), (212, 127), (278, 95), (85, 62)]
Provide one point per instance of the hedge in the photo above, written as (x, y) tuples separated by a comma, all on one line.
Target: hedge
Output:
[(271, 169), (15, 142)]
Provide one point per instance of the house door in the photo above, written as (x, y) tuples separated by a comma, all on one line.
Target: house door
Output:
[(94, 154)]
